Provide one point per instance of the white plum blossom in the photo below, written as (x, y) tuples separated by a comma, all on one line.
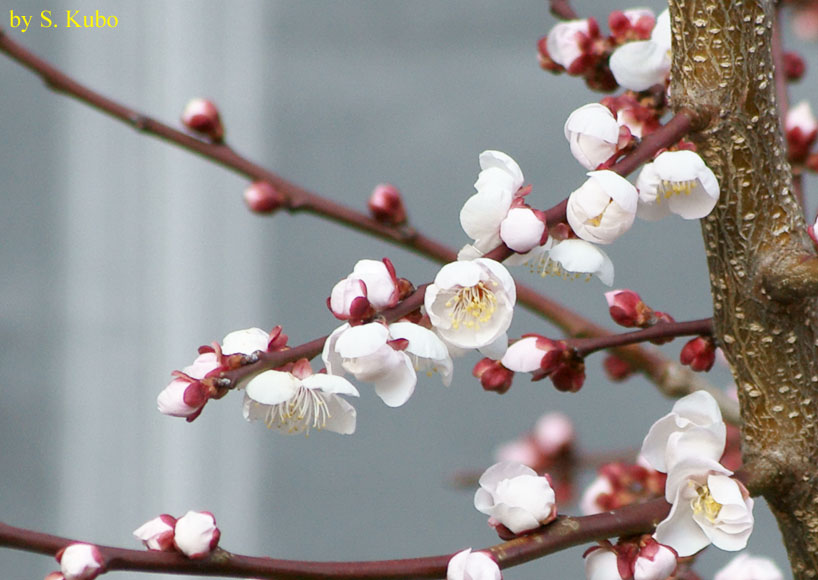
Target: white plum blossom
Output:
[(654, 562), (593, 134), (677, 182), (603, 208), (388, 357), (157, 534), (694, 427), (747, 567), (468, 565), (513, 495), (522, 230), (497, 183), (601, 564), (568, 258), (566, 41), (196, 534), (801, 117), (294, 404), (245, 341), (185, 395), (371, 283), (640, 64), (554, 432), (470, 303), (80, 561), (708, 506)]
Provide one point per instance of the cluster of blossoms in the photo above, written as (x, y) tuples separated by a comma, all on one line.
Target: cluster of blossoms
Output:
[(194, 534)]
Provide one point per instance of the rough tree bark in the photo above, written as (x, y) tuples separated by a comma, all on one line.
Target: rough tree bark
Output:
[(762, 264)]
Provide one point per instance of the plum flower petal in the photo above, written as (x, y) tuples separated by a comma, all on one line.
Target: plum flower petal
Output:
[(372, 283), (694, 427), (677, 182), (245, 341), (522, 229), (468, 565), (470, 303), (747, 567), (579, 257), (593, 133), (603, 208), (514, 495), (425, 349), (641, 64), (601, 564), (157, 534), (292, 405)]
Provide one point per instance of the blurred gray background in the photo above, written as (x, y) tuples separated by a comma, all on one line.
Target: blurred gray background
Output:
[(121, 255)]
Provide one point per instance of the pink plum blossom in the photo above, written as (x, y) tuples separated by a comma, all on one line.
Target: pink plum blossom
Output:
[(371, 287), (186, 396), (196, 534), (468, 565), (568, 43), (245, 341), (516, 497), (603, 208)]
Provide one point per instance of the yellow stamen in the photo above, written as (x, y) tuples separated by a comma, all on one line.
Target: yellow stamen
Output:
[(598, 219), (472, 306), (671, 188), (307, 409), (704, 502)]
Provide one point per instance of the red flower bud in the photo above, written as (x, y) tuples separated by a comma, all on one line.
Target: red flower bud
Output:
[(386, 205), (699, 354), (202, 116), (627, 309), (261, 197), (616, 368), (794, 66), (493, 375)]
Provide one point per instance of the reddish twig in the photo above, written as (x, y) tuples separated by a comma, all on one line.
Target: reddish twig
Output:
[(563, 533), (586, 346), (563, 10)]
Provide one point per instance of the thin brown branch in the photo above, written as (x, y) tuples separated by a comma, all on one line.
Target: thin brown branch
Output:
[(586, 346), (563, 10), (563, 533)]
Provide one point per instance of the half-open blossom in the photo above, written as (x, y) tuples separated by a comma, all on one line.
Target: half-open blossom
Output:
[(371, 287), (516, 497), (80, 561), (708, 506), (677, 182), (694, 428), (641, 64), (157, 534), (575, 258), (593, 134), (186, 396), (569, 44), (800, 129), (499, 180), (196, 534), (747, 567), (468, 565), (295, 404), (546, 358), (388, 357), (603, 208), (245, 341), (470, 303)]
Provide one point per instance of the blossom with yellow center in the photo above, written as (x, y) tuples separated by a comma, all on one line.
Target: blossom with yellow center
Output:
[(677, 182), (471, 302), (603, 208)]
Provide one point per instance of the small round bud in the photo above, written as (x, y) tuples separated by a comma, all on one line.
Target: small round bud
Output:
[(794, 66), (80, 561), (627, 308), (196, 534), (202, 116), (616, 369), (699, 354), (157, 534), (493, 375), (261, 197), (386, 205)]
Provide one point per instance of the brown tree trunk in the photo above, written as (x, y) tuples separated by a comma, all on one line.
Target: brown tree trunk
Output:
[(762, 263)]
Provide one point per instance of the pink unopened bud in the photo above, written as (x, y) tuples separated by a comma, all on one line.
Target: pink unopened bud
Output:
[(196, 534), (386, 204), (493, 375), (801, 129), (569, 377), (157, 534), (699, 354), (654, 561), (202, 116), (627, 309), (794, 66), (616, 369), (80, 562), (261, 197)]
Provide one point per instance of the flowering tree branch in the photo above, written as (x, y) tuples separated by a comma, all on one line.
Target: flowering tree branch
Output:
[(560, 534), (670, 377)]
